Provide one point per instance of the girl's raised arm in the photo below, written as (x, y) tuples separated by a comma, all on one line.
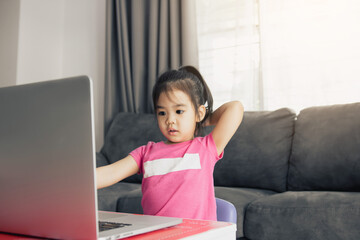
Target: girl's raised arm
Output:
[(115, 172), (226, 119)]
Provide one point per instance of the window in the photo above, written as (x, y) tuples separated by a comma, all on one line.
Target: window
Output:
[(228, 39), (273, 54)]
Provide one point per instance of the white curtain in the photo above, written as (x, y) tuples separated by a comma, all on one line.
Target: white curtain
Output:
[(309, 53), (228, 40)]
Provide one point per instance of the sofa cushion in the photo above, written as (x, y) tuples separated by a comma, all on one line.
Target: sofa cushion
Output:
[(241, 197), (127, 132), (108, 197), (326, 149), (101, 160), (131, 202), (304, 215), (257, 156)]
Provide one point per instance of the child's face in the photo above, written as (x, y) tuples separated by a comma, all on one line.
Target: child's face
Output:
[(176, 116)]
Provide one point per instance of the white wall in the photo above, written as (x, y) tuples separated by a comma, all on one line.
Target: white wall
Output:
[(9, 25), (62, 38), (40, 51)]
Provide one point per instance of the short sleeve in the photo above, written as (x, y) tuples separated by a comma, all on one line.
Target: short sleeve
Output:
[(210, 144), (139, 153)]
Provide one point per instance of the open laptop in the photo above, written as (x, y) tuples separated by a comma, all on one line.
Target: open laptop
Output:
[(47, 165)]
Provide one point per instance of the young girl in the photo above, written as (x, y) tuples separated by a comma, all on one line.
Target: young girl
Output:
[(178, 173)]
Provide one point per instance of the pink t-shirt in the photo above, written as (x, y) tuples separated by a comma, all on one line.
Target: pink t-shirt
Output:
[(178, 178)]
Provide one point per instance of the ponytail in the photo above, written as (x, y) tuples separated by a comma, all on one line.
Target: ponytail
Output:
[(207, 99)]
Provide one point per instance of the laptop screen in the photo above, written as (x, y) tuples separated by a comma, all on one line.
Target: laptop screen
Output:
[(47, 159)]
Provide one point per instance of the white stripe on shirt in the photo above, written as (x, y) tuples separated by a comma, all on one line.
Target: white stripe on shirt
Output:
[(167, 165)]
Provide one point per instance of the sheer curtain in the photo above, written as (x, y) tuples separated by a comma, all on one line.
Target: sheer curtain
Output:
[(294, 54), (228, 39), (310, 52)]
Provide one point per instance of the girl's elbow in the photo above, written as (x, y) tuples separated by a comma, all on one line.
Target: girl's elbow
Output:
[(238, 107), (238, 104), (239, 110)]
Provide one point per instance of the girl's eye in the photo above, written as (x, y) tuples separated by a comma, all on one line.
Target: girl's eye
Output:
[(179, 111), (161, 113)]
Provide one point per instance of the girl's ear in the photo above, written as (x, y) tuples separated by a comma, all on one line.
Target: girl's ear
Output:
[(202, 112)]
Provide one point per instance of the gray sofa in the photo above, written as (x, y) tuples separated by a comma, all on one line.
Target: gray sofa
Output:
[(289, 176)]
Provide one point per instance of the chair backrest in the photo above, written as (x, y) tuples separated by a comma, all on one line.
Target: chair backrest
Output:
[(226, 211)]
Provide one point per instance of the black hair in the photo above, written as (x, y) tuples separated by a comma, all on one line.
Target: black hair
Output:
[(189, 80)]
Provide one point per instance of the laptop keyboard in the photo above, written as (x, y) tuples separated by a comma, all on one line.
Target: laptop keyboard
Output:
[(103, 226)]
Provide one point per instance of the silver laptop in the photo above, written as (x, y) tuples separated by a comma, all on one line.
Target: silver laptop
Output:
[(47, 165)]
